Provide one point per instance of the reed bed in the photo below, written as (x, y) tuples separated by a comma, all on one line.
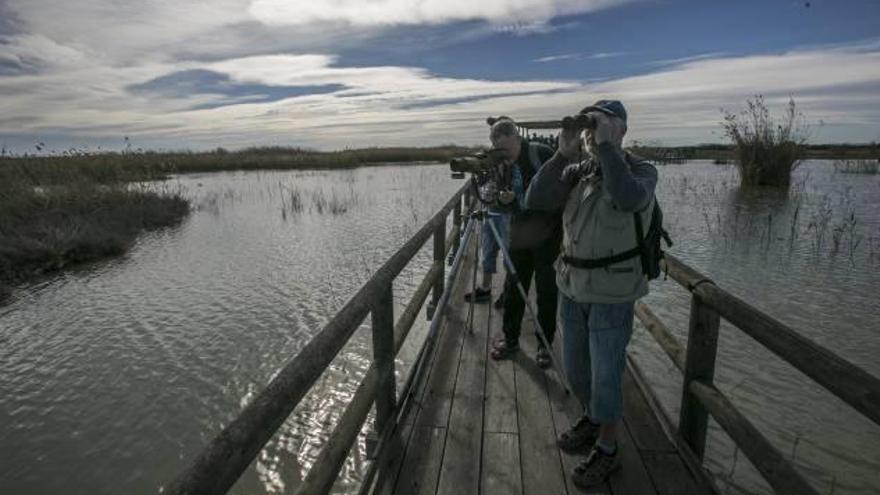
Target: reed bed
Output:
[(867, 167), (767, 149), (52, 217)]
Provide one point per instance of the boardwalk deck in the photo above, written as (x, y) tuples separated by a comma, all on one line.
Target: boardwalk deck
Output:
[(480, 426)]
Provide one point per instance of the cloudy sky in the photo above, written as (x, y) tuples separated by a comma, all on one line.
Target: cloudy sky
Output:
[(329, 74)]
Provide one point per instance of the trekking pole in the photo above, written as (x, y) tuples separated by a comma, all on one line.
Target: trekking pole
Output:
[(532, 312)]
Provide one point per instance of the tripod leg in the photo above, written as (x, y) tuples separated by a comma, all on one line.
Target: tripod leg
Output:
[(470, 316), (508, 263)]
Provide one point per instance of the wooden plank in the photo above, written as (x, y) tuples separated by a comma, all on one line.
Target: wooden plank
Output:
[(669, 474), (440, 385), (542, 464), (501, 474), (460, 470), (430, 416), (633, 478), (389, 469), (500, 384), (421, 466), (642, 424)]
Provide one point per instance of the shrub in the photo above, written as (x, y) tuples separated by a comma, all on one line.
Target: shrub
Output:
[(766, 150)]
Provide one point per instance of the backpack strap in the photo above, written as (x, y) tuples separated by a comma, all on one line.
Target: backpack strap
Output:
[(640, 238), (640, 250), (589, 264)]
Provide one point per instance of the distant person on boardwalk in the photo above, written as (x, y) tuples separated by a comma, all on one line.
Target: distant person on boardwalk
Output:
[(533, 239), (598, 188)]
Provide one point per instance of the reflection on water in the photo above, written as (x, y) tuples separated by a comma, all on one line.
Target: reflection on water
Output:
[(113, 376)]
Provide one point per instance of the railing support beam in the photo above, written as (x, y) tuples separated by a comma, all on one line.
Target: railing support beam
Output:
[(702, 348), (439, 260), (383, 356)]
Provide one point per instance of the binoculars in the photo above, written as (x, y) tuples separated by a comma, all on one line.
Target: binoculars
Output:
[(578, 122)]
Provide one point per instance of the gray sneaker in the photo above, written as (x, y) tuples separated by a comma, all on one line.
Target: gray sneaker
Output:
[(580, 438), (596, 469)]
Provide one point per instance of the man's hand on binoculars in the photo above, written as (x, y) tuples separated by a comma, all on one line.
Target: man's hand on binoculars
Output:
[(608, 130)]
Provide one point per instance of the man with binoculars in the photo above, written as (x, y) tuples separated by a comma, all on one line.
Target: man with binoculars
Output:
[(605, 196)]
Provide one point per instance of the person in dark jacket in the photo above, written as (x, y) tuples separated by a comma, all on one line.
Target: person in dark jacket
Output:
[(533, 240)]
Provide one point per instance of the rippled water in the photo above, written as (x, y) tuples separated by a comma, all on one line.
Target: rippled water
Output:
[(786, 264), (114, 375)]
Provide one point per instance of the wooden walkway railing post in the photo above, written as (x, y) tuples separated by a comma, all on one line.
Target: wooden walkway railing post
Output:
[(383, 358), (439, 260), (702, 347), (456, 227)]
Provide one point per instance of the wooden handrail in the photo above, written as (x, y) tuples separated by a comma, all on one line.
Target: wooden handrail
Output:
[(222, 461), (853, 385), (710, 303), (775, 468), (662, 335)]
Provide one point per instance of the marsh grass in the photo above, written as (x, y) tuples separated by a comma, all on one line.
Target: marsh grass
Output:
[(139, 165), (767, 150), (827, 226), (52, 217), (868, 167)]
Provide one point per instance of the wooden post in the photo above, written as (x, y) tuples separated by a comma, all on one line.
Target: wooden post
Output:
[(383, 356), (702, 347), (439, 255), (456, 227)]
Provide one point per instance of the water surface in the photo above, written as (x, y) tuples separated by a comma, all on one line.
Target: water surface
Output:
[(114, 375)]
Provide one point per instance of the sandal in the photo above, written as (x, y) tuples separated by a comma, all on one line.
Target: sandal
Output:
[(503, 350)]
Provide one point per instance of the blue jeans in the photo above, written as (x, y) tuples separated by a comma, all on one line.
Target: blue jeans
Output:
[(489, 252), (594, 352)]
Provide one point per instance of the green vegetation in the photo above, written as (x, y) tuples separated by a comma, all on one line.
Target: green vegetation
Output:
[(109, 166), (871, 167), (59, 210), (53, 216), (766, 150)]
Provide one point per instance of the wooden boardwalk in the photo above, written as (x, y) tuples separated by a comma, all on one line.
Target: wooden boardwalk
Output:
[(481, 426)]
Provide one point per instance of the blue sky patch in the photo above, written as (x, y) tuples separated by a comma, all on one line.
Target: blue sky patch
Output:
[(191, 82)]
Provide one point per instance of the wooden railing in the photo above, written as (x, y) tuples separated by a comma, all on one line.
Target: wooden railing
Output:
[(226, 457), (700, 397)]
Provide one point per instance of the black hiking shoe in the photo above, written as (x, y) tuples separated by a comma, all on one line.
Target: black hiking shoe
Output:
[(580, 438), (479, 296), (596, 469)]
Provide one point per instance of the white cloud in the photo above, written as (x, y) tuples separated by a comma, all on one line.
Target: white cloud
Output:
[(391, 105), (554, 58), (579, 56), (390, 12)]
